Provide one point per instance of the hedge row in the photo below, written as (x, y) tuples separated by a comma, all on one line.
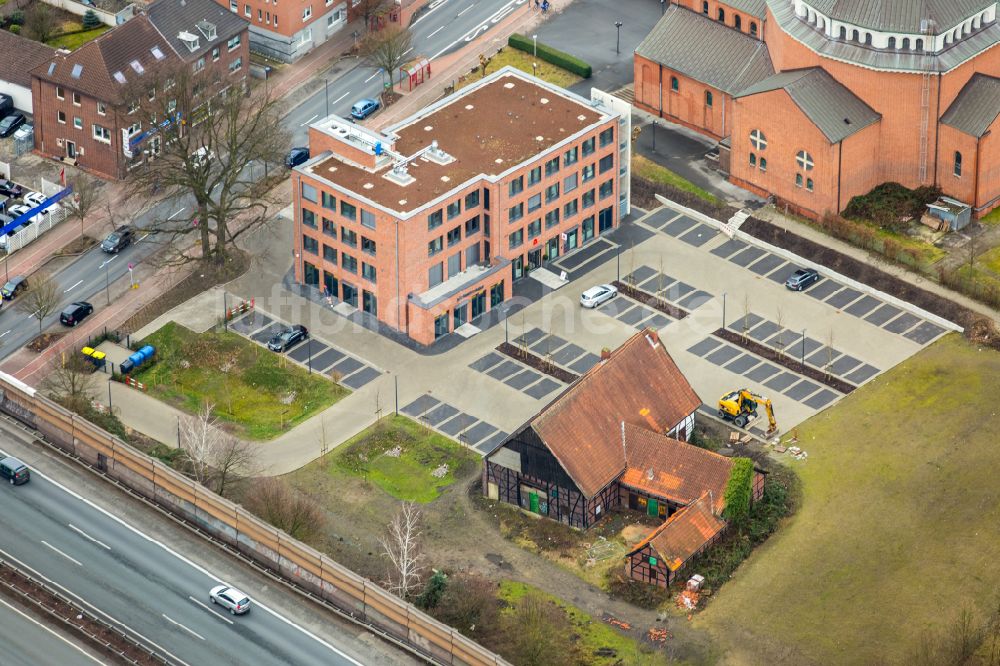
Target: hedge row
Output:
[(551, 55)]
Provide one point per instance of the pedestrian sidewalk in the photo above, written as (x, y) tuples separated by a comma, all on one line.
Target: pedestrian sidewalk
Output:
[(293, 76), (770, 214)]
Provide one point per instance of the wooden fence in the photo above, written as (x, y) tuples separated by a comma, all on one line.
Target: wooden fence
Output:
[(350, 594)]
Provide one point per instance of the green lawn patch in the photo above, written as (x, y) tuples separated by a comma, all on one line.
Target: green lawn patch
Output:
[(261, 393), (400, 456), (595, 636), (523, 61), (991, 260), (646, 168), (898, 497), (993, 217), (75, 40)]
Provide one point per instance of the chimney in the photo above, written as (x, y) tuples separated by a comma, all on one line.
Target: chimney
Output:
[(652, 337), (605, 353)]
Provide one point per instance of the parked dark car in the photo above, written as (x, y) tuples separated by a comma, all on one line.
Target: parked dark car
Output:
[(11, 123), (14, 287), (364, 108), (9, 188), (296, 156), (6, 104), (118, 240), (288, 338), (802, 278), (75, 313), (15, 471)]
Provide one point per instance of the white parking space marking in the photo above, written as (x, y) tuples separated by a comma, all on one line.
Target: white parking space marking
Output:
[(88, 537), (211, 610), (66, 291), (72, 645), (190, 631), (76, 562), (176, 213)]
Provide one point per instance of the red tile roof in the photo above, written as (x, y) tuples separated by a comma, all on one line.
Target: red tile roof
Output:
[(639, 384), (27, 53), (664, 467), (684, 534)]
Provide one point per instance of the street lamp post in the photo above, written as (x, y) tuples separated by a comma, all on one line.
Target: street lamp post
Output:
[(663, 7), (534, 39), (326, 87), (534, 69), (618, 38), (723, 310), (802, 357), (107, 281)]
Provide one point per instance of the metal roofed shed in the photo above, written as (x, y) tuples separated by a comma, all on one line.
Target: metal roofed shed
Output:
[(951, 212)]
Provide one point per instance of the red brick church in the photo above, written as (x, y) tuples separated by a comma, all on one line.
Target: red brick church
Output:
[(816, 101)]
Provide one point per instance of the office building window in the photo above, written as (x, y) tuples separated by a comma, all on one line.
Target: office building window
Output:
[(534, 175), (515, 213), (310, 244), (435, 246), (348, 263), (329, 228), (329, 201), (516, 186), (552, 166), (368, 272), (472, 226), (329, 254), (434, 220), (454, 235), (308, 218), (350, 211), (588, 146), (348, 237), (367, 219), (516, 239), (472, 199), (368, 246), (309, 192)]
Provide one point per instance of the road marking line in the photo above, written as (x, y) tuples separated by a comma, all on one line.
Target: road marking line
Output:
[(185, 560), (141, 239), (69, 643), (407, 50), (176, 213), (377, 72), (73, 287), (309, 121), (5, 333), (76, 596), (435, 32), (484, 26), (466, 9), (113, 257), (190, 631), (210, 610), (87, 536), (77, 562), (434, 6), (341, 97)]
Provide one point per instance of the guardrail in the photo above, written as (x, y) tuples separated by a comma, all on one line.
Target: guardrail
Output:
[(348, 593)]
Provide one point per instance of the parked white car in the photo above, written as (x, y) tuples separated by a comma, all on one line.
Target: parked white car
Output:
[(595, 296), (37, 199)]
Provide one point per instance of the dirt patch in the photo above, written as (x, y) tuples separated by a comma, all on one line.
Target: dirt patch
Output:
[(76, 247), (110, 643), (44, 341), (537, 362), (652, 301), (775, 356)]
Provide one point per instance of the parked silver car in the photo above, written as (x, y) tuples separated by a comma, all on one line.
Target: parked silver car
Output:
[(597, 295), (231, 598)]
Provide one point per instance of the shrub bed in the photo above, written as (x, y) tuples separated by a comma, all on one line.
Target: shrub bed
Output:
[(552, 55)]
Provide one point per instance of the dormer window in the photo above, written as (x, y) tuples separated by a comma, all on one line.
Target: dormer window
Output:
[(191, 41), (207, 29)]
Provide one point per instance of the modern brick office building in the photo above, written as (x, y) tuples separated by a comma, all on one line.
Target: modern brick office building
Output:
[(427, 225), (79, 98), (816, 101)]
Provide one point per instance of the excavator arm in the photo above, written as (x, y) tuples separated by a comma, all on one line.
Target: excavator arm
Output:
[(771, 423)]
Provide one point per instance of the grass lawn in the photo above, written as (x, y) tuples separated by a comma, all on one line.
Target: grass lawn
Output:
[(991, 260), (593, 632), (650, 170), (77, 39), (522, 61), (897, 530), (261, 393), (408, 474), (993, 217)]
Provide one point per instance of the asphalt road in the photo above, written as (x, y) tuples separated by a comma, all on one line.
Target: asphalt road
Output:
[(445, 26), (35, 644), (141, 585)]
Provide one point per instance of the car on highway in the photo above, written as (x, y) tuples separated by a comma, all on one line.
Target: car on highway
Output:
[(75, 313), (594, 296), (9, 188), (118, 240), (296, 156), (231, 598), (288, 338), (802, 278), (11, 123), (14, 287), (364, 108), (15, 471)]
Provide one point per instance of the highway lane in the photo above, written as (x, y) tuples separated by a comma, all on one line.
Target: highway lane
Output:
[(446, 26), (139, 584), (28, 642)]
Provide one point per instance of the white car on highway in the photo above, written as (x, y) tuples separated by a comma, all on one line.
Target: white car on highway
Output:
[(231, 598), (594, 296)]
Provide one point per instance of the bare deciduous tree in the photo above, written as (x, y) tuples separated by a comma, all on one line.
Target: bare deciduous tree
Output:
[(829, 352), (217, 458), (779, 319), (369, 9), (86, 192), (401, 545), (286, 508), (746, 314), (387, 49), (40, 299), (70, 381), (39, 22), (205, 146)]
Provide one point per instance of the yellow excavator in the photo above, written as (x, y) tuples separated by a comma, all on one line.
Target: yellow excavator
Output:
[(741, 406)]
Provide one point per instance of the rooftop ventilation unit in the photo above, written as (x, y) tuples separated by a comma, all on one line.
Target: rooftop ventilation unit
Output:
[(400, 175), (191, 41), (436, 155)]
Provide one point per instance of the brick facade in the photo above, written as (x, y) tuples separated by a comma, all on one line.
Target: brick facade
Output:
[(908, 145), (426, 270)]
